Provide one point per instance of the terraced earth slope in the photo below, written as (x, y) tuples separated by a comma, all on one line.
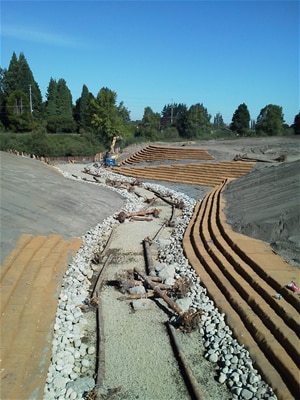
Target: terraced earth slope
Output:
[(243, 276), (205, 174), (202, 172), (31, 277), (153, 153)]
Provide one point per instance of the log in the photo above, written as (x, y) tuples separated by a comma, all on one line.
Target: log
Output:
[(160, 293), (171, 221), (192, 382), (142, 213), (140, 218), (99, 282), (153, 211), (104, 251), (170, 202), (100, 349), (158, 232), (148, 257)]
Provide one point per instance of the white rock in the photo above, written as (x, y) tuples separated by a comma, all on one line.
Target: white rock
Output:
[(85, 363), (137, 290), (213, 358), (91, 350), (222, 378)]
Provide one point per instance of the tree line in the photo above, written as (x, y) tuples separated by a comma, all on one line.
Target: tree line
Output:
[(22, 110)]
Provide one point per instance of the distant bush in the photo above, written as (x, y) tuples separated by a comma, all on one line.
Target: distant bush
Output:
[(40, 143)]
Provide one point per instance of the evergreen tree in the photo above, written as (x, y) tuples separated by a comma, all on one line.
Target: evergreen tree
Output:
[(218, 121), (59, 110), (168, 115), (198, 121), (51, 100), (64, 100), (84, 103), (240, 120), (296, 125), (12, 75), (3, 98), (181, 118), (20, 77), (270, 121), (18, 114)]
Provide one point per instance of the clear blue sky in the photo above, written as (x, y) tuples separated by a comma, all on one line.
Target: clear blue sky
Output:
[(153, 53)]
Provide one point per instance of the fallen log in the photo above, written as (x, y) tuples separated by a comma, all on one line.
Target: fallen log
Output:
[(140, 218), (123, 215), (99, 281), (148, 257), (100, 349), (191, 380), (104, 251), (171, 221), (179, 204), (160, 293)]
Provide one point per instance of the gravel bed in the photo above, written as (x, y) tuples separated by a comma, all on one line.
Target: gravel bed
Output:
[(72, 369)]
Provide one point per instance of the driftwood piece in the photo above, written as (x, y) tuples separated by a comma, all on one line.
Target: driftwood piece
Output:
[(179, 204), (140, 218), (121, 217), (148, 257), (191, 380), (160, 293), (171, 221), (125, 280)]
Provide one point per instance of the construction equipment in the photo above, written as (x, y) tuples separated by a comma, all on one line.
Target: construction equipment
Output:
[(111, 156)]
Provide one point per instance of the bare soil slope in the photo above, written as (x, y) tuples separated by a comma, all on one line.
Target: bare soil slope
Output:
[(265, 205)]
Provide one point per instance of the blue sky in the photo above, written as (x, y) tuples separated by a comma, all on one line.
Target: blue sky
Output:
[(153, 53)]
